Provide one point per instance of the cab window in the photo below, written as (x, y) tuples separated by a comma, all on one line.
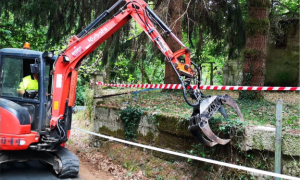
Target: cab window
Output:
[(12, 73)]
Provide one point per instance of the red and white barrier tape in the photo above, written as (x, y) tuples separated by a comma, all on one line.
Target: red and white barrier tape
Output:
[(203, 87)]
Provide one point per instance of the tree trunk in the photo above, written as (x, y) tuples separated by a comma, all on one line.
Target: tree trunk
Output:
[(175, 11), (142, 69), (257, 28), (105, 58)]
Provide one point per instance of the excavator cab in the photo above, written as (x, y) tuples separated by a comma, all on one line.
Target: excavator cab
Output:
[(24, 123), (15, 66)]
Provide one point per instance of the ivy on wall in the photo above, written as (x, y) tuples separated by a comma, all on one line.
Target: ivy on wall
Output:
[(131, 117)]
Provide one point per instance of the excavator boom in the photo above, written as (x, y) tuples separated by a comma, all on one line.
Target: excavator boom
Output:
[(81, 45)]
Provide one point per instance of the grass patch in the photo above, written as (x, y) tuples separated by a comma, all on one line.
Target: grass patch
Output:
[(171, 103)]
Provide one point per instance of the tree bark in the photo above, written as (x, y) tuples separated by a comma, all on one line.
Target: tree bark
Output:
[(257, 28), (175, 11)]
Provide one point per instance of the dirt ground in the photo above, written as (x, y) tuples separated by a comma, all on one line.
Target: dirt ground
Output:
[(95, 164), (109, 160)]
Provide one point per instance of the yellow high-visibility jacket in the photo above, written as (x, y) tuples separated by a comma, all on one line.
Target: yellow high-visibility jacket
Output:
[(28, 84)]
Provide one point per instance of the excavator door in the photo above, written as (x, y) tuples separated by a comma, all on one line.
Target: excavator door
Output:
[(22, 116)]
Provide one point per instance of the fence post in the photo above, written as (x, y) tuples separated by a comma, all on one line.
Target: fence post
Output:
[(278, 138), (96, 77)]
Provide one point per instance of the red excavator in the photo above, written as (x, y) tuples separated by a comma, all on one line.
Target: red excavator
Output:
[(36, 124)]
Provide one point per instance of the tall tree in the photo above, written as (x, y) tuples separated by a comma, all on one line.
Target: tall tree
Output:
[(257, 29), (174, 11), (61, 18)]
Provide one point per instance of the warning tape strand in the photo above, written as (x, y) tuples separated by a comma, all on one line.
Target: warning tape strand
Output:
[(203, 87), (252, 170)]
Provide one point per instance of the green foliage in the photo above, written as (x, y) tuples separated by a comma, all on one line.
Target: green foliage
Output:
[(285, 78), (88, 102), (123, 73), (14, 36), (249, 95), (283, 15), (131, 117), (215, 31), (199, 150), (153, 118), (213, 52), (260, 3), (60, 18), (52, 26), (289, 8), (129, 66), (80, 92), (233, 127), (158, 178)]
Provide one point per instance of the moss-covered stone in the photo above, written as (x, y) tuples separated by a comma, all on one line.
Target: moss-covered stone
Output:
[(173, 125), (106, 131), (291, 144), (167, 140), (258, 142), (109, 107), (148, 138), (291, 166)]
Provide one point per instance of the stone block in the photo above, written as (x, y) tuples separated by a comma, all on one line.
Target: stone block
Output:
[(263, 138)]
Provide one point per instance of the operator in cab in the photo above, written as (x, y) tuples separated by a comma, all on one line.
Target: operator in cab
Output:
[(29, 83)]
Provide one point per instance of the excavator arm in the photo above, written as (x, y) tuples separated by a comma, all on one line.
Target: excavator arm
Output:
[(65, 69)]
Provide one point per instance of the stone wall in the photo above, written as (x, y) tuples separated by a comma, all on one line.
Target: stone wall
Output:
[(157, 130), (172, 133)]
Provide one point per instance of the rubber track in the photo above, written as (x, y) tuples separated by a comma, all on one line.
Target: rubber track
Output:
[(70, 163)]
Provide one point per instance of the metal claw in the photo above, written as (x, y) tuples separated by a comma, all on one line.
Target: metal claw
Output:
[(208, 133), (223, 112), (201, 115), (194, 128), (197, 135), (229, 101)]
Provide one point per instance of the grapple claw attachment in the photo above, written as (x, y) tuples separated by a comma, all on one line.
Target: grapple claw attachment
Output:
[(201, 116), (223, 112), (200, 138), (208, 133), (229, 101)]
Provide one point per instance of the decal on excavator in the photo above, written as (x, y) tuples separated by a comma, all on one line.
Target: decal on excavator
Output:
[(56, 105), (77, 51), (97, 35), (58, 80), (12, 141)]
